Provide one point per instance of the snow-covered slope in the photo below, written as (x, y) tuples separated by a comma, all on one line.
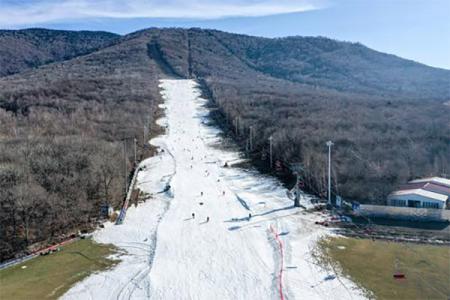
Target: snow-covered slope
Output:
[(220, 253)]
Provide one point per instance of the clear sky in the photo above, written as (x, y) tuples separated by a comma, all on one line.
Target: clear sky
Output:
[(414, 29)]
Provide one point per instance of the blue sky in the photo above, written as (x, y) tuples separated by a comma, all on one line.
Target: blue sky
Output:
[(414, 29)]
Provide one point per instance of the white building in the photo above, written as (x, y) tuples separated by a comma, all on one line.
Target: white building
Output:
[(417, 198), (431, 192)]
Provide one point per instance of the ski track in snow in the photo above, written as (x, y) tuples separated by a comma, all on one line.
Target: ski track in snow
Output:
[(167, 254)]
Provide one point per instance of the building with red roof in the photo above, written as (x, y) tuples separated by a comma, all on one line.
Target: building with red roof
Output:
[(433, 192)]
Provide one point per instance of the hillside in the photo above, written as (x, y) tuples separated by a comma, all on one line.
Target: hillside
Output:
[(382, 138), (62, 124), (30, 48), (339, 65), (62, 131), (316, 61)]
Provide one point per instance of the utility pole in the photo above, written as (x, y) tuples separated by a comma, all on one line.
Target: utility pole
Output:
[(147, 131), (251, 138), (329, 144), (297, 190), (270, 150), (246, 146), (135, 158), (125, 161), (145, 134), (239, 125)]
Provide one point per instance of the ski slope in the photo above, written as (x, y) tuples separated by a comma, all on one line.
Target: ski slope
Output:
[(168, 254)]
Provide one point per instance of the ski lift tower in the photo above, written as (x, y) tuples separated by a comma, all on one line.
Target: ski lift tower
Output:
[(296, 169)]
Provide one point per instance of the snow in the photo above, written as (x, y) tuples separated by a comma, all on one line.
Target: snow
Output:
[(170, 255)]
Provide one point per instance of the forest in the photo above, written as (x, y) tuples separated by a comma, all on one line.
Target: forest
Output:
[(63, 128), (389, 127), (71, 101), (30, 48)]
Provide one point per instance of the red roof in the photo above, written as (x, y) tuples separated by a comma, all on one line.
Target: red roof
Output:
[(437, 188), (427, 186)]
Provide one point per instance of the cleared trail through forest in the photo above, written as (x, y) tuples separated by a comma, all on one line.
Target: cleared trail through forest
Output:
[(220, 252)]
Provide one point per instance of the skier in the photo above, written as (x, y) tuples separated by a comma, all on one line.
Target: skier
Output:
[(223, 193), (207, 219), (167, 188), (249, 216), (193, 215), (201, 193)]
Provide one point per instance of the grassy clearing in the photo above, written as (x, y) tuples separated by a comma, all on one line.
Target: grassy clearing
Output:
[(48, 277), (371, 264)]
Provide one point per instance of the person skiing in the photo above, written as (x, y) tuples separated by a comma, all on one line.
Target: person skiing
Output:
[(193, 215), (249, 216), (201, 193), (207, 219)]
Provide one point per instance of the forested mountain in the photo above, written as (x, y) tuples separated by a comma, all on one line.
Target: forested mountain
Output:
[(342, 66), (316, 61), (382, 138), (23, 49), (62, 132), (62, 124)]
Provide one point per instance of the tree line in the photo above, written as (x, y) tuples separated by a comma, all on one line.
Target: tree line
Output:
[(62, 132), (383, 136)]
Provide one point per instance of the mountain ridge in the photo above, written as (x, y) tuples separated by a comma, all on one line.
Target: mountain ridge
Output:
[(316, 61), (30, 48)]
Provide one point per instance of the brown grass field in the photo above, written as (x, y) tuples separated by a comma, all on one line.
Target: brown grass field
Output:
[(49, 277), (371, 265)]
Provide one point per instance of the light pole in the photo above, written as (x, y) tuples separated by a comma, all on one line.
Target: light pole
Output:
[(125, 158), (125, 164), (329, 144), (251, 138), (246, 146), (145, 135), (297, 190), (237, 123), (270, 150), (135, 158)]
